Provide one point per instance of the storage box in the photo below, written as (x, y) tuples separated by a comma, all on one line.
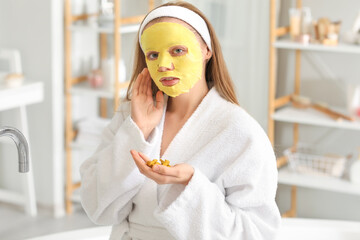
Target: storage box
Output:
[(304, 159)]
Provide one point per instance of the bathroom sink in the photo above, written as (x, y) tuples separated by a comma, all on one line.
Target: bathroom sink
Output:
[(292, 229), (95, 233), (318, 229)]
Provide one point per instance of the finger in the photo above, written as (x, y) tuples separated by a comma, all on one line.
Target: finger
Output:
[(144, 157), (138, 160), (149, 81), (142, 84), (146, 81), (136, 84), (161, 178), (146, 171), (141, 79), (159, 100), (168, 171)]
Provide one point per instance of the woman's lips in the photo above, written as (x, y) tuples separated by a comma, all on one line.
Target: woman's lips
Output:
[(169, 81)]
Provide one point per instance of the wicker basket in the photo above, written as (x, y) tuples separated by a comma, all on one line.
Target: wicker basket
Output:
[(305, 160)]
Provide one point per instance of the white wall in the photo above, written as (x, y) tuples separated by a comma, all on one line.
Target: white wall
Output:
[(324, 78), (35, 28), (241, 27)]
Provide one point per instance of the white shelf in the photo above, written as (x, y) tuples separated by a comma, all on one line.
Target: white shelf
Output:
[(85, 89), (27, 93), (288, 177), (311, 116), (340, 48), (105, 29)]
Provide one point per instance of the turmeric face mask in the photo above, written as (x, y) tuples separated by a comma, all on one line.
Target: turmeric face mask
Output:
[(173, 57)]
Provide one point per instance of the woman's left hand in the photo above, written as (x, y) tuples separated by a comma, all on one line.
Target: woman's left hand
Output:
[(179, 173)]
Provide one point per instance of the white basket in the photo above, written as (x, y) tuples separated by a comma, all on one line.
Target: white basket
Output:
[(304, 160)]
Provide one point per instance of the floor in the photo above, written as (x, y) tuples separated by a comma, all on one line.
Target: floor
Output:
[(15, 225)]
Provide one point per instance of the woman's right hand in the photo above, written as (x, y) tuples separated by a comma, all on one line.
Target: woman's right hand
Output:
[(144, 112)]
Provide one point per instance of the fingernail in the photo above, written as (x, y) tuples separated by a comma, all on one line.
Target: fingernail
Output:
[(156, 168)]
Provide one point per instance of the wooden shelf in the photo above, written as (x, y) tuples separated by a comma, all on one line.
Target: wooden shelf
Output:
[(79, 86), (105, 29), (340, 48), (312, 117), (84, 88), (288, 177)]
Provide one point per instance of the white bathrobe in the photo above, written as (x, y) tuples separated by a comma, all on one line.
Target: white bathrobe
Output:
[(230, 196)]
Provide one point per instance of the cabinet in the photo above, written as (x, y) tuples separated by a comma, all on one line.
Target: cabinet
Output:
[(280, 110), (78, 85)]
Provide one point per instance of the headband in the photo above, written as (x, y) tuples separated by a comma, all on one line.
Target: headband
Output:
[(182, 13)]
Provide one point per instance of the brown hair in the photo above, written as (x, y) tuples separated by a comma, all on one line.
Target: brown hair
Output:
[(216, 73)]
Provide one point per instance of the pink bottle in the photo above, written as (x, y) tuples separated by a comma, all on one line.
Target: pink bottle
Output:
[(96, 79)]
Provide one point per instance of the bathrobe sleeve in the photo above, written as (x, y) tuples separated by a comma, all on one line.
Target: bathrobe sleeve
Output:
[(238, 202), (110, 178)]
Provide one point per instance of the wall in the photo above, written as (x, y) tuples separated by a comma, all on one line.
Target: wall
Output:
[(241, 27), (325, 77), (36, 29)]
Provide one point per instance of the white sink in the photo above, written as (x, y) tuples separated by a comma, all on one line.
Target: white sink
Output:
[(318, 229), (95, 233), (292, 229)]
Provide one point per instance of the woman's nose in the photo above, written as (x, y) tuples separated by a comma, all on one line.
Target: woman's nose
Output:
[(165, 64), (164, 68)]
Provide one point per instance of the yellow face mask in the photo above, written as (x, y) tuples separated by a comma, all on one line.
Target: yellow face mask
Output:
[(173, 57)]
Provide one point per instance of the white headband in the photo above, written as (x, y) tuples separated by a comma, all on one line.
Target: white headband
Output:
[(182, 13)]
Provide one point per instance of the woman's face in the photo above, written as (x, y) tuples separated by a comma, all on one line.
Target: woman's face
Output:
[(173, 55)]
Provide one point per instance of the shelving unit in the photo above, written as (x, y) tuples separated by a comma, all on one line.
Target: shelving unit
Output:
[(280, 110), (19, 98), (79, 86)]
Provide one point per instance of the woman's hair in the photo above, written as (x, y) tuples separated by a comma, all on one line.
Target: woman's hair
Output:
[(216, 72)]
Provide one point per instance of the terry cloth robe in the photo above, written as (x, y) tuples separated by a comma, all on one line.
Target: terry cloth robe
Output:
[(230, 196)]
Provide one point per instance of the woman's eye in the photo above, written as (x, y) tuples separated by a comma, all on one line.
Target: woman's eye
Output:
[(153, 56), (178, 51)]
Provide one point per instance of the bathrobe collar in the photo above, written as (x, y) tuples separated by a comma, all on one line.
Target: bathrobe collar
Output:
[(184, 140)]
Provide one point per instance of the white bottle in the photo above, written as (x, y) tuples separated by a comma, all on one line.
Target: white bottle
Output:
[(107, 67), (356, 26)]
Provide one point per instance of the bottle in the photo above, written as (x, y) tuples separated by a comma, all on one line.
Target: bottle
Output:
[(96, 78), (107, 66)]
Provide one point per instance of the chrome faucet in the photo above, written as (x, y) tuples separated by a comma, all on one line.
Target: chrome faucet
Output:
[(21, 144)]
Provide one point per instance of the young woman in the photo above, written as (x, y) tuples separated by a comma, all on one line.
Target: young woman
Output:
[(182, 107)]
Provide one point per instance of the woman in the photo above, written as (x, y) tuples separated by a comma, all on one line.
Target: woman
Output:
[(223, 177)]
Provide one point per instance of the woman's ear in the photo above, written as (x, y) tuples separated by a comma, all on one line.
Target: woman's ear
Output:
[(208, 53)]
